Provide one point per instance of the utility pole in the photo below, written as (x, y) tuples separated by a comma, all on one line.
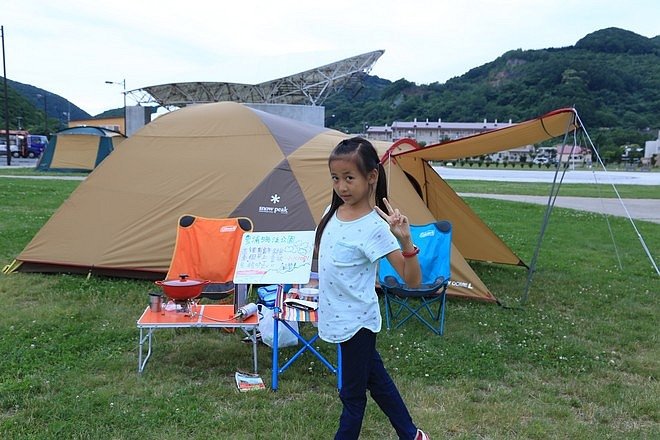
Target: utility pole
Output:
[(46, 114), (4, 71), (39, 95), (123, 84)]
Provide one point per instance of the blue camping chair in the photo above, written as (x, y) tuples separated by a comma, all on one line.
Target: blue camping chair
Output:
[(283, 314), (427, 301)]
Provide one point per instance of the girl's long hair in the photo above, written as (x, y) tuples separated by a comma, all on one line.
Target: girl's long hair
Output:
[(363, 153)]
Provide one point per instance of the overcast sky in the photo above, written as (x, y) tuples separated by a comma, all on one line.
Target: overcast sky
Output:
[(71, 47)]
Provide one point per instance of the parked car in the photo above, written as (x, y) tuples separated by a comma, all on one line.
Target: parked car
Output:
[(36, 145), (18, 143), (541, 160), (13, 149)]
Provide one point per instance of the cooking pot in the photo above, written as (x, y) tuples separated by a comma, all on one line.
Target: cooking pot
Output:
[(183, 288)]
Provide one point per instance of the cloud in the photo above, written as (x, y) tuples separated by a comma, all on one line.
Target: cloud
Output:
[(71, 47)]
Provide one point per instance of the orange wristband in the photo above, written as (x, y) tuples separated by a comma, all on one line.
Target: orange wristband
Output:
[(412, 253)]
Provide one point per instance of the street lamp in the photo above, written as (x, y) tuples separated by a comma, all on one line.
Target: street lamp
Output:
[(123, 84), (39, 95)]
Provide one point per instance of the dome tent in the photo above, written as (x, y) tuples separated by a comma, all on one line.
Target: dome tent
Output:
[(78, 149), (229, 160)]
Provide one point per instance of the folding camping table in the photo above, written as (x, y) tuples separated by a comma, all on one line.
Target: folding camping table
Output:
[(205, 316)]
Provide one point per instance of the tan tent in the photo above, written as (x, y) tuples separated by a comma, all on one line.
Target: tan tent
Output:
[(228, 160), (78, 149)]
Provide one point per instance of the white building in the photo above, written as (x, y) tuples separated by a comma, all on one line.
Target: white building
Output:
[(652, 148), (524, 153), (431, 132), (573, 154)]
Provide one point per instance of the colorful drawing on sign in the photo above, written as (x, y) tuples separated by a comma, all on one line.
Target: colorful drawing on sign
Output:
[(275, 258)]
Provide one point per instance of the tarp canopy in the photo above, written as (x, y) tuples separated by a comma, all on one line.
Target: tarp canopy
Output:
[(229, 160), (444, 203), (548, 126)]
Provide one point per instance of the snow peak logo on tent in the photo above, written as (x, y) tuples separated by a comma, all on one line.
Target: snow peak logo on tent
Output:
[(464, 284), (274, 199)]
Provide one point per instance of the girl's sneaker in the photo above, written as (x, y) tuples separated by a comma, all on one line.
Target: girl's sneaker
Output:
[(421, 435)]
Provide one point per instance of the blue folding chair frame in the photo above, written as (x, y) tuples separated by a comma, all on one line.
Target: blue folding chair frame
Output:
[(307, 345), (434, 242)]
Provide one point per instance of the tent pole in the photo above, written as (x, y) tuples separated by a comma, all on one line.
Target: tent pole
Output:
[(552, 197)]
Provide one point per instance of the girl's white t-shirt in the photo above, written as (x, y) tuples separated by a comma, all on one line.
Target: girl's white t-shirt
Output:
[(347, 262)]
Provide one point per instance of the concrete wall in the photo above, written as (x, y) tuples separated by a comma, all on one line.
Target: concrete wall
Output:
[(111, 123), (652, 147), (136, 118), (314, 115)]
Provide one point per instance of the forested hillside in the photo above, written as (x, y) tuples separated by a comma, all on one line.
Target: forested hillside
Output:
[(28, 104)]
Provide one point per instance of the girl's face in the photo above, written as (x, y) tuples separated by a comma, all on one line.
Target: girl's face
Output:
[(350, 184)]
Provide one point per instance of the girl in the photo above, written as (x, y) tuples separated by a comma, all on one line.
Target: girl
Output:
[(357, 230)]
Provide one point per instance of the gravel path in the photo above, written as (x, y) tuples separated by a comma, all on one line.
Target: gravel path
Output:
[(639, 209)]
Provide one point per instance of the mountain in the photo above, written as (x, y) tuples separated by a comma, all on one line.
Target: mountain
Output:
[(612, 77), (28, 102)]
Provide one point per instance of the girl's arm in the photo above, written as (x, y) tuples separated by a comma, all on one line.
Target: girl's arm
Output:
[(407, 267)]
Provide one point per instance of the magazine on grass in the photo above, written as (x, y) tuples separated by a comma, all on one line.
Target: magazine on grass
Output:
[(248, 381)]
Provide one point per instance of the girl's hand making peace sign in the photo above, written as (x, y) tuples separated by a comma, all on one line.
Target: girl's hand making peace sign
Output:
[(398, 222)]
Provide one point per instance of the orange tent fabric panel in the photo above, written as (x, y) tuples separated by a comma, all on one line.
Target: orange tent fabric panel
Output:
[(207, 248), (470, 234)]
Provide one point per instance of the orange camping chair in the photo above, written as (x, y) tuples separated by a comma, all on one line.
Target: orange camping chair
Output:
[(207, 249)]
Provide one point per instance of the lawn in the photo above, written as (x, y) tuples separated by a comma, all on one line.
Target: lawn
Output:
[(579, 360)]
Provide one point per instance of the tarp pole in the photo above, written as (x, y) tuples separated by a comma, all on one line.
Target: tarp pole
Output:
[(552, 197)]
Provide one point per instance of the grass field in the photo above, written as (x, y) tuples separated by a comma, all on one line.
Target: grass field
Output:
[(580, 360), (475, 186)]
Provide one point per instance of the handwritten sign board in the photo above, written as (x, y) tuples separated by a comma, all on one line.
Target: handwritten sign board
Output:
[(275, 258)]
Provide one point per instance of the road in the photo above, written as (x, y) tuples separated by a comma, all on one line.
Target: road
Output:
[(502, 175), (547, 176), (17, 162)]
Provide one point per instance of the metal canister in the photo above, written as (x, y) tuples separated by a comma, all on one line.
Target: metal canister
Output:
[(155, 302), (246, 311)]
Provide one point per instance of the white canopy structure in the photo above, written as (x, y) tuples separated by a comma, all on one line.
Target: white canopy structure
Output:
[(310, 87)]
